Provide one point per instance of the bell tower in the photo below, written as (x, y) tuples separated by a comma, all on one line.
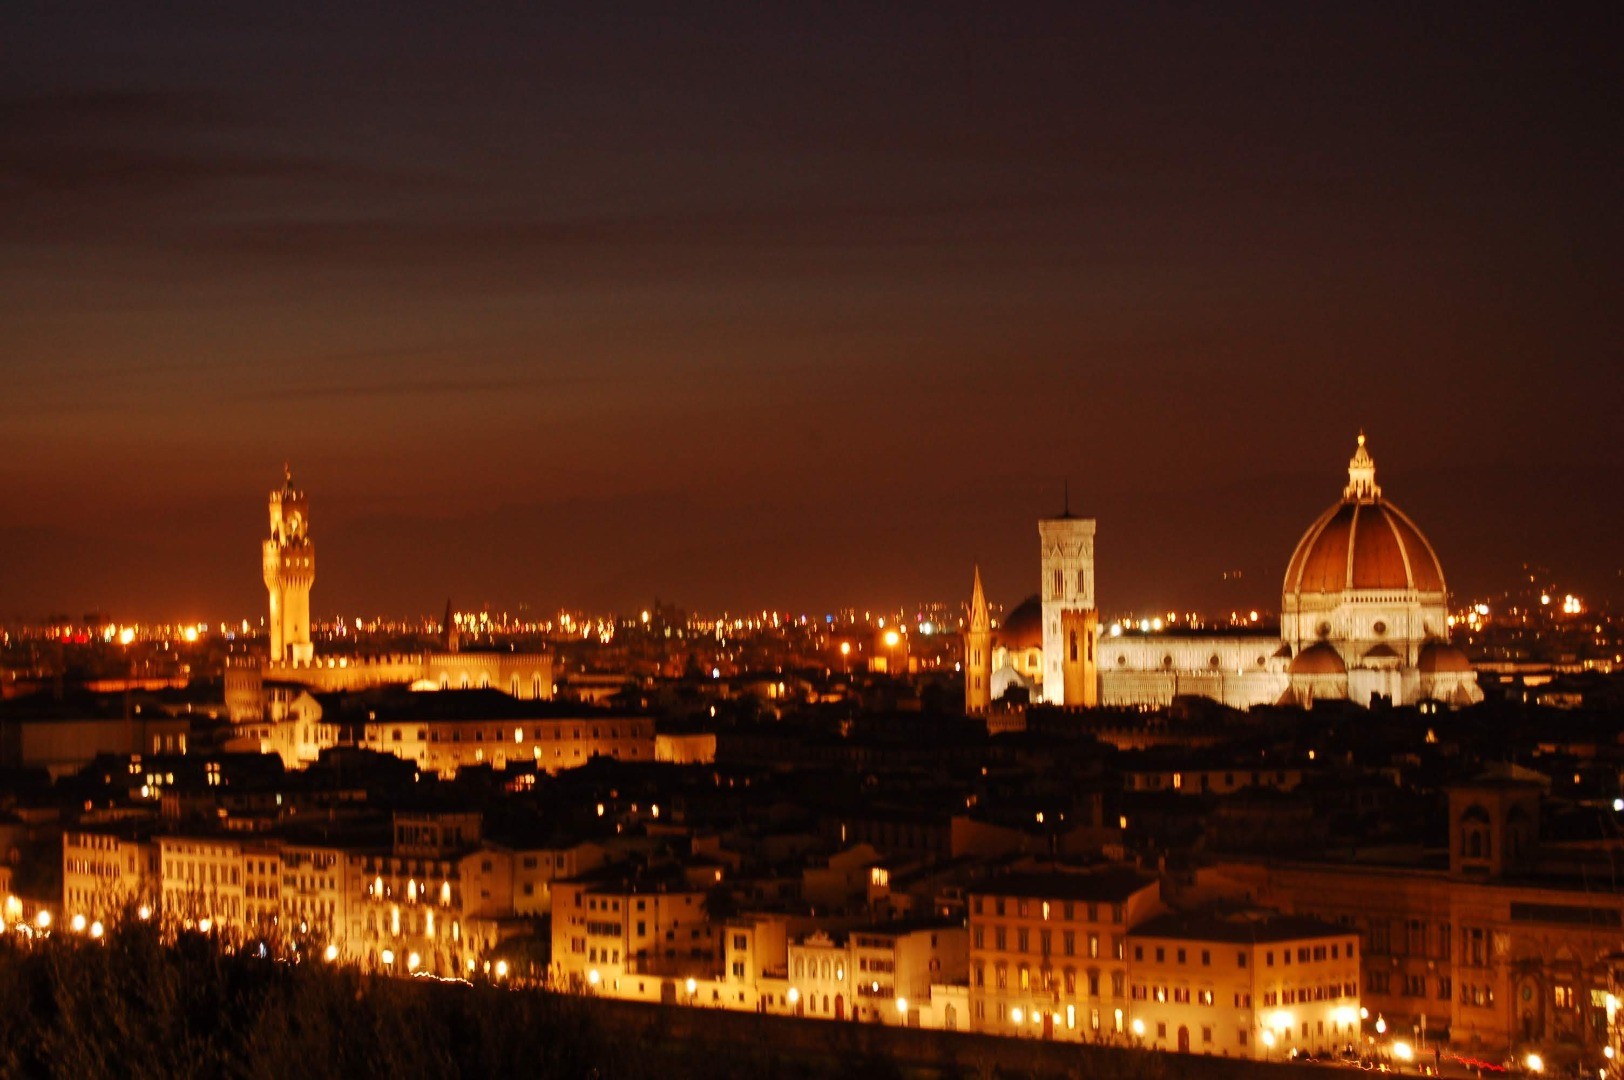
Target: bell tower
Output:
[(290, 570), (1067, 545), (978, 653)]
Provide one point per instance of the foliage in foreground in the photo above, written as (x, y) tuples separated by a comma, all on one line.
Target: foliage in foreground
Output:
[(133, 1006)]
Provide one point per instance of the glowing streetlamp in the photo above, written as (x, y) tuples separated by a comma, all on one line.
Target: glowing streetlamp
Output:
[(1403, 1051), (1381, 1025), (692, 986), (78, 924), (143, 913), (1535, 1063), (593, 977), (43, 919), (387, 956), (794, 995), (502, 969), (330, 953), (96, 930), (902, 1007)]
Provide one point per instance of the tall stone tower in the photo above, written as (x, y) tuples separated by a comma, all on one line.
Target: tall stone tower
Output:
[(978, 654), (290, 570), (1067, 544), (1079, 676)]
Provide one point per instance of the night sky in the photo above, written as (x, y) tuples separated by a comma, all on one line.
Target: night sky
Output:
[(741, 306)]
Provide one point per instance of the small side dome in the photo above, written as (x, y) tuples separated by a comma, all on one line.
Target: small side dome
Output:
[(1439, 658), (1022, 628), (1320, 659)]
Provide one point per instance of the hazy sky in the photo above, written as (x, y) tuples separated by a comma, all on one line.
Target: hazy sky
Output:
[(766, 305)]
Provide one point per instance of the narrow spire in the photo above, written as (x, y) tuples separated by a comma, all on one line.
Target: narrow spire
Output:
[(980, 622)]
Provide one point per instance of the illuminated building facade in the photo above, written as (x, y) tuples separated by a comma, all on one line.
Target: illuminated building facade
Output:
[(1247, 985), (888, 973), (1508, 948), (446, 745), (106, 874), (1048, 953), (605, 928), (1363, 618)]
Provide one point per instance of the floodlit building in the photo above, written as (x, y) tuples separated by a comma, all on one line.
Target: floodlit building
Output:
[(880, 973), (501, 733), (289, 563), (607, 926), (1247, 985), (108, 874), (1048, 952), (1507, 947), (1364, 617)]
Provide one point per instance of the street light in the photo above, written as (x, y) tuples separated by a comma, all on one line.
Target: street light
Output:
[(902, 1007), (1535, 1063), (1403, 1051), (1381, 1025)]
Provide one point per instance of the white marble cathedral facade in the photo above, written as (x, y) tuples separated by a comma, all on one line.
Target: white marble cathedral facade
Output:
[(1364, 617)]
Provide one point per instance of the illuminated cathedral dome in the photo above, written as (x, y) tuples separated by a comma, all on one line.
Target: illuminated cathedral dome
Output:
[(1363, 543), (1364, 601)]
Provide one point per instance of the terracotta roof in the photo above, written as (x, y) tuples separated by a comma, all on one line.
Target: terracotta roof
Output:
[(1363, 545), (1438, 657), (1320, 659), (1023, 627)]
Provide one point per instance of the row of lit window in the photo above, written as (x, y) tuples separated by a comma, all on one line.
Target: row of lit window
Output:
[(1067, 910)]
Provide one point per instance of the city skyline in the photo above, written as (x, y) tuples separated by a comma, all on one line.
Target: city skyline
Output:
[(746, 309)]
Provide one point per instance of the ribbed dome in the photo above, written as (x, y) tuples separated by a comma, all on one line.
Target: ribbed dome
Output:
[(1023, 628), (1437, 657), (1363, 542), (1319, 659)]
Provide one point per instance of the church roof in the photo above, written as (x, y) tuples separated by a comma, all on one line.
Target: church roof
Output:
[(1363, 542), (1022, 628)]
